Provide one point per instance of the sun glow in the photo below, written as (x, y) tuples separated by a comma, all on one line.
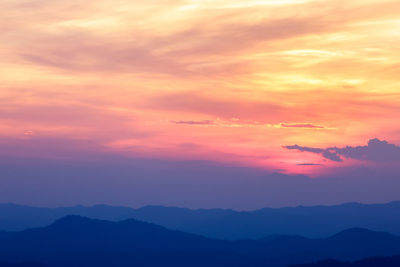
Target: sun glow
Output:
[(227, 80)]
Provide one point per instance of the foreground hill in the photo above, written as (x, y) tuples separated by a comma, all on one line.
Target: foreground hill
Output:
[(21, 264), (317, 221), (79, 241), (370, 262)]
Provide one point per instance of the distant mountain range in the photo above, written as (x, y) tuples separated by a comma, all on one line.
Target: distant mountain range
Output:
[(393, 261), (313, 222), (80, 241)]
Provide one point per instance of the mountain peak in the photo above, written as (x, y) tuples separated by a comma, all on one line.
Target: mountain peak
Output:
[(359, 234), (74, 221)]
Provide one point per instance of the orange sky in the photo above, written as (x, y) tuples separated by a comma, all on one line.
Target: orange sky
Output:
[(202, 79)]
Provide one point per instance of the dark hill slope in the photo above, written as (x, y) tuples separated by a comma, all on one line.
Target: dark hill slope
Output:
[(80, 241)]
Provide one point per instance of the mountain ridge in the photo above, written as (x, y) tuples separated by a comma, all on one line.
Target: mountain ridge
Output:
[(310, 221), (79, 241)]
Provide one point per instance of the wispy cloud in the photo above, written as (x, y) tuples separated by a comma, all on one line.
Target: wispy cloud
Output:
[(305, 149), (86, 70), (301, 125), (205, 122)]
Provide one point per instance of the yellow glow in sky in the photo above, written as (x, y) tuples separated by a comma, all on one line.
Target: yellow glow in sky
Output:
[(145, 77)]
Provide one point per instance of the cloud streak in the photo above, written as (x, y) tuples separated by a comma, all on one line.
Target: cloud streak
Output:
[(261, 73), (205, 122), (301, 125)]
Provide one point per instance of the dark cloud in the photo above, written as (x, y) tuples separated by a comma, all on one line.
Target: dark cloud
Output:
[(305, 149), (376, 150), (332, 155)]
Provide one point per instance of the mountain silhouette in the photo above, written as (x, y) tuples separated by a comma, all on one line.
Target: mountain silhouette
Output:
[(80, 241), (21, 264), (369, 262), (313, 222)]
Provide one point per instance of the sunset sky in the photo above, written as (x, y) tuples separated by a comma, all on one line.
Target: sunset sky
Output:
[(272, 84)]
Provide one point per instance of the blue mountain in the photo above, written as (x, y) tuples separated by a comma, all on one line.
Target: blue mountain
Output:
[(313, 222), (393, 261), (80, 241)]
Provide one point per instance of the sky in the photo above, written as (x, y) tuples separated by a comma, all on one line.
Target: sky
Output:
[(273, 88)]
